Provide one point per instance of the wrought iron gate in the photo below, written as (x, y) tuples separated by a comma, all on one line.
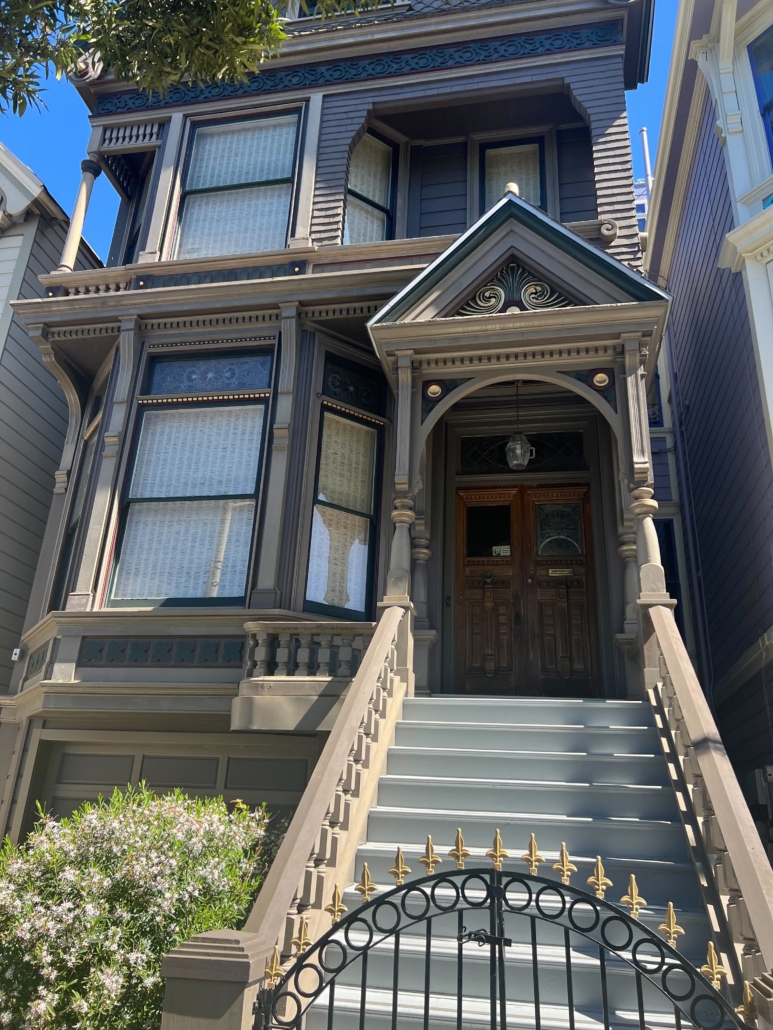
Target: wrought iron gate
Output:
[(383, 963)]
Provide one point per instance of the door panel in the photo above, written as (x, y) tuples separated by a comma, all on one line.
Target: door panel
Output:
[(525, 611)]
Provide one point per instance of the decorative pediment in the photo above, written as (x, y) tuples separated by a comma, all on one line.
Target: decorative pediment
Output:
[(514, 288)]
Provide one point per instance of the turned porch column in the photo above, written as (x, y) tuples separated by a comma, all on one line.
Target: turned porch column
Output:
[(90, 171), (398, 589)]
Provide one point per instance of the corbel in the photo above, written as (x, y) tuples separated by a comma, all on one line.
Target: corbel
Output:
[(637, 408), (403, 442), (62, 372)]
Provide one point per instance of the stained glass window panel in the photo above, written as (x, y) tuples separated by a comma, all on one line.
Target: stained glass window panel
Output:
[(519, 164), (338, 559), (243, 221), (198, 452), (347, 464), (559, 529), (211, 375), (185, 549), (226, 155)]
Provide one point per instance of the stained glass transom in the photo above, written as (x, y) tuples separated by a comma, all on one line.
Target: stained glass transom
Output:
[(351, 387), (559, 529), (554, 452), (211, 375)]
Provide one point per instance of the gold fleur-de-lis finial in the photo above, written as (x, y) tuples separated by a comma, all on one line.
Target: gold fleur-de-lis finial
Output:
[(430, 857), (302, 942), (366, 886), (399, 870), (336, 908), (633, 899), (564, 866), (670, 928), (273, 972), (599, 882), (497, 853), (748, 1010), (712, 970), (532, 858), (459, 852)]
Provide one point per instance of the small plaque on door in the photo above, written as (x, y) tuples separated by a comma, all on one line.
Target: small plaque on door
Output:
[(501, 551), (560, 572)]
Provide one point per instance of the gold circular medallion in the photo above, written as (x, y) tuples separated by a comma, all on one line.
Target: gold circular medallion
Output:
[(434, 390), (601, 380)]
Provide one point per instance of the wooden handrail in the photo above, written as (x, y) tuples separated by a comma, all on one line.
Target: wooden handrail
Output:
[(269, 914), (750, 864)]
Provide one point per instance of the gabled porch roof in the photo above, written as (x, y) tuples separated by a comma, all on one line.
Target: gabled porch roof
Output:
[(592, 299)]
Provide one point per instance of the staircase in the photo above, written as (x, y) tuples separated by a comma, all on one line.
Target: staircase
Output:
[(589, 773)]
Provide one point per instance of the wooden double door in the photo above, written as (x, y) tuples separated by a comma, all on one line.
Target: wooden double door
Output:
[(526, 620)]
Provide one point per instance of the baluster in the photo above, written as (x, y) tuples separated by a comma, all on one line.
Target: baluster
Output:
[(324, 654), (283, 654), (261, 653), (345, 656), (303, 655)]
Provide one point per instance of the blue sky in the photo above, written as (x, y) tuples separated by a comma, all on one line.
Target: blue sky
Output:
[(53, 142)]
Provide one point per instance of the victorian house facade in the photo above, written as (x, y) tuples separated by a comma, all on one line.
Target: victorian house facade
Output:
[(361, 411)]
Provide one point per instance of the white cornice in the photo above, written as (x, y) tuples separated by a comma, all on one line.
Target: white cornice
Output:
[(751, 239)]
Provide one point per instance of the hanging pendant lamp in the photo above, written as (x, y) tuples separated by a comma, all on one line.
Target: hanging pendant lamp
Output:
[(519, 451)]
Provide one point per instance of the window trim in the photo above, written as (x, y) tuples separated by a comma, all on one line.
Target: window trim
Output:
[(145, 401), (391, 211), (378, 423), (765, 110), (192, 125)]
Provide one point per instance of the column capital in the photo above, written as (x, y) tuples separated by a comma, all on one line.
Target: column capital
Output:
[(89, 167), (643, 503)]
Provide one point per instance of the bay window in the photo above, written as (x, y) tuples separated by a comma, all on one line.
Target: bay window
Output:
[(189, 511), (520, 162), (237, 187), (761, 56), (369, 193), (344, 521)]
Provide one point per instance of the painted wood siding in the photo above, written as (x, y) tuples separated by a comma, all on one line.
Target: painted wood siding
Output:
[(33, 421), (728, 459), (576, 185), (437, 196), (660, 470), (595, 86)]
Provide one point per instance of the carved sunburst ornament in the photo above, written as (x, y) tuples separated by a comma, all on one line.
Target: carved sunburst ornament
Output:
[(514, 288)]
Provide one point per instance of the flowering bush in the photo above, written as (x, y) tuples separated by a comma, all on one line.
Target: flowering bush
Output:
[(90, 905)]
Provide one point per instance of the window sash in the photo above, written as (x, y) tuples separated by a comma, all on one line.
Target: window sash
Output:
[(511, 162), (369, 192), (238, 185), (343, 532), (191, 496)]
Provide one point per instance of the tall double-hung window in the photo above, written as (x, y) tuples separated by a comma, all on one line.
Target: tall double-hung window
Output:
[(761, 56), (520, 162), (343, 531), (237, 188), (369, 198), (189, 508)]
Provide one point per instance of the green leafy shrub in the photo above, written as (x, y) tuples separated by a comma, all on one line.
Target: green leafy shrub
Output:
[(91, 904)]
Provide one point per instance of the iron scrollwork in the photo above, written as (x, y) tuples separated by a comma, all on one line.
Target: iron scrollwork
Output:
[(610, 939)]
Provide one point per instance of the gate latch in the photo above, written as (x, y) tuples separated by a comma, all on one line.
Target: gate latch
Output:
[(482, 937)]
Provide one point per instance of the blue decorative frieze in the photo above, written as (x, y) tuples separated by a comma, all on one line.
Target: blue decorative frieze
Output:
[(126, 652), (328, 73), (37, 661), (149, 281)]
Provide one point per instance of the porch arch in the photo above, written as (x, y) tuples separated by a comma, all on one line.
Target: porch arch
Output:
[(501, 376)]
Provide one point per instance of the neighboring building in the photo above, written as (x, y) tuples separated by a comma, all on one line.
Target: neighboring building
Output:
[(641, 194), (710, 236), (374, 343), (33, 409)]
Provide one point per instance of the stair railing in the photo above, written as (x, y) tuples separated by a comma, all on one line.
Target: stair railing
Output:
[(319, 849), (740, 868)]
